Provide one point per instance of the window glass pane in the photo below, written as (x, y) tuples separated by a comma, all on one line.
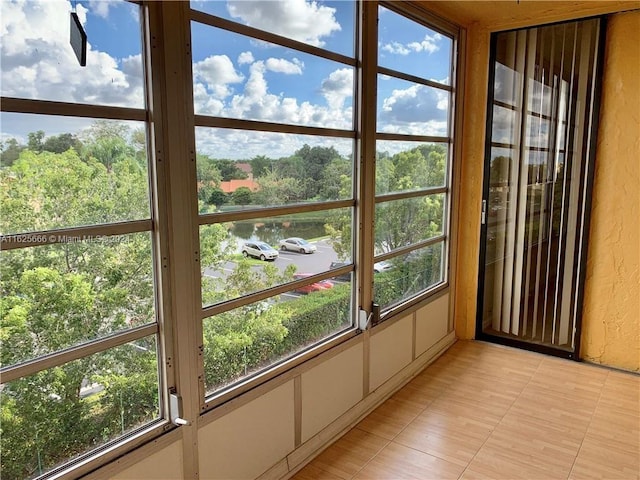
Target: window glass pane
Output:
[(504, 128), (538, 131), (507, 88), (60, 172), (539, 96), (60, 295), (404, 222), (247, 256), (411, 108), (407, 275), (236, 78), (60, 413), (270, 169), (325, 24), (243, 341), (405, 166), (38, 61), (409, 47)]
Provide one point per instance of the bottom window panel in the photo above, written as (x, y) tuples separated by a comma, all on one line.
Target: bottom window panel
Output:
[(250, 339), (404, 276), (59, 414)]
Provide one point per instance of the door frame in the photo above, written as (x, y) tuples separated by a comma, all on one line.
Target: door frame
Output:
[(583, 242)]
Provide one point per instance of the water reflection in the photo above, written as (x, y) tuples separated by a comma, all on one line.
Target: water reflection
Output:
[(272, 232)]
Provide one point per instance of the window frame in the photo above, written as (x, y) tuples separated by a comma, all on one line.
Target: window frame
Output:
[(437, 24), (155, 225), (277, 368)]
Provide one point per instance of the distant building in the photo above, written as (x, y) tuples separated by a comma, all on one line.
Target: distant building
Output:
[(232, 185)]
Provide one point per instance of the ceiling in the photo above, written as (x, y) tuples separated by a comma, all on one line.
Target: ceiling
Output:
[(506, 14)]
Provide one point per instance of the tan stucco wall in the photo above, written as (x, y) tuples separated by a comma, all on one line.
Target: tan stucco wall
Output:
[(611, 308), (611, 317)]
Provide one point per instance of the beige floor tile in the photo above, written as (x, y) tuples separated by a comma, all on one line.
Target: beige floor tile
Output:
[(492, 463), (430, 384), (457, 404), (349, 454), (599, 459), (416, 395), (618, 428), (391, 417), (454, 438), (312, 472), (484, 411), (535, 443), (621, 391), (400, 462), (571, 378), (556, 407)]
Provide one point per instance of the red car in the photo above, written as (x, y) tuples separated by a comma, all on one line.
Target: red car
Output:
[(314, 287)]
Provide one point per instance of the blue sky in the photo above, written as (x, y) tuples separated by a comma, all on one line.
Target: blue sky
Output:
[(234, 76)]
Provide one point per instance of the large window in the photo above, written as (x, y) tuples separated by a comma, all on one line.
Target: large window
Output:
[(413, 156), (275, 141), (79, 328), (310, 173)]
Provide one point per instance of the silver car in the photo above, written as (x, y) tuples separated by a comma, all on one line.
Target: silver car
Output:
[(260, 250), (297, 244)]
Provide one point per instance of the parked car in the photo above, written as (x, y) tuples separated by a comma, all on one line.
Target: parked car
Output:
[(382, 266), (297, 244), (314, 287), (260, 250), (345, 277)]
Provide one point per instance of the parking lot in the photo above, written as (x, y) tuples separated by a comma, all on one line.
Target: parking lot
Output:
[(305, 263)]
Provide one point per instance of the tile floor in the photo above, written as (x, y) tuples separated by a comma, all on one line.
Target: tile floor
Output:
[(485, 411)]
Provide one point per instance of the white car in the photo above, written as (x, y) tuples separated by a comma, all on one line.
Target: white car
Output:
[(382, 266), (297, 244), (260, 250)]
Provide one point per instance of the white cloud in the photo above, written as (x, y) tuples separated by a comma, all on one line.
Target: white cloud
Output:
[(395, 47), (222, 143), (217, 71), (245, 57), (429, 44), (337, 87), (301, 20), (281, 65), (101, 7), (418, 110), (82, 13), (256, 102), (38, 62)]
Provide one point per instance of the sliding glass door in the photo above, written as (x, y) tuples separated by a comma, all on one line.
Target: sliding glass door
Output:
[(543, 95)]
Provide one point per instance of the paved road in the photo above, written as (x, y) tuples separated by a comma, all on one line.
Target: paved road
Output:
[(306, 263)]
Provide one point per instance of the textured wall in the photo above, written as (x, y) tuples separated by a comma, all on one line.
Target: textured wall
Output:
[(612, 291), (611, 310)]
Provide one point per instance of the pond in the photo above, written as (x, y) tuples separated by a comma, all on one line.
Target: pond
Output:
[(272, 231)]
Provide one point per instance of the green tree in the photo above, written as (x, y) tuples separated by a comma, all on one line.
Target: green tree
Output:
[(217, 197), (35, 141), (261, 165), (332, 180), (57, 296), (229, 170), (242, 196), (275, 190), (62, 143), (9, 152)]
